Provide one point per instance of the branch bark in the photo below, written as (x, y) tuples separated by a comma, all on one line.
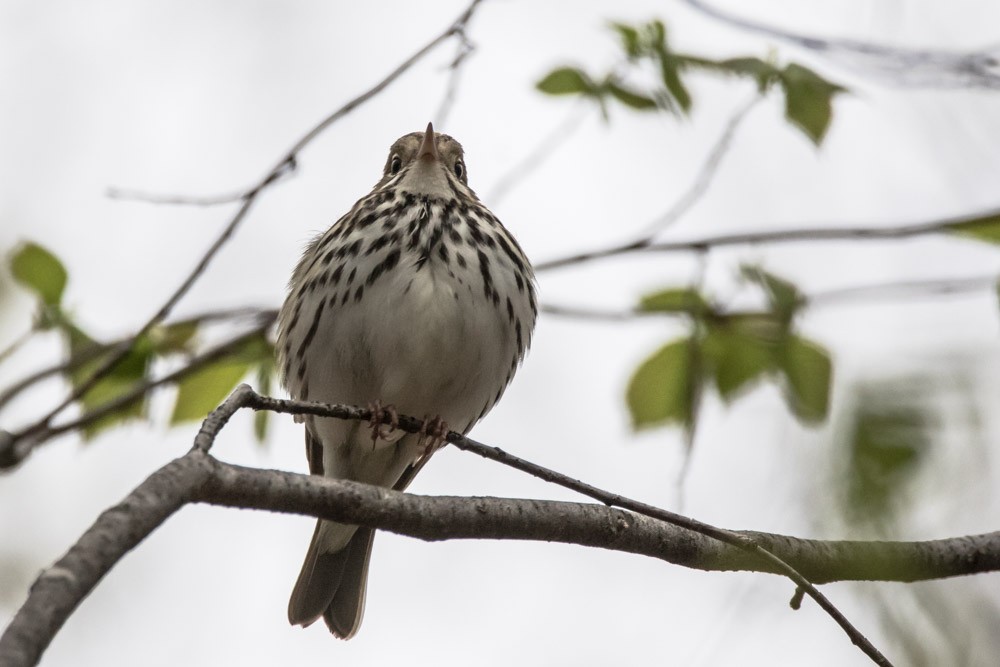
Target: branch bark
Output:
[(198, 477), (638, 529)]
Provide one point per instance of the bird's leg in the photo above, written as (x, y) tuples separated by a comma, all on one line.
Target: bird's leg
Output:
[(380, 430), (431, 435)]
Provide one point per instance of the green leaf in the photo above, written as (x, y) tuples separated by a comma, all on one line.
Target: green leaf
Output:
[(119, 381), (984, 228), (265, 374), (890, 438), (670, 72), (764, 73), (784, 296), (629, 37), (736, 357), (40, 271), (174, 337), (567, 81), (630, 98), (808, 100), (660, 390), (674, 300), (808, 370), (201, 392)]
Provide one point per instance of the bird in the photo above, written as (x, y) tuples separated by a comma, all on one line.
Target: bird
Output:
[(418, 301)]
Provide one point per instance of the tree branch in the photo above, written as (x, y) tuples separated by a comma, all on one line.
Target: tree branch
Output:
[(645, 530), (839, 296), (930, 68), (793, 235), (197, 477)]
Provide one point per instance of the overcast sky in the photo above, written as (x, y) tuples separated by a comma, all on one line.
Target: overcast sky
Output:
[(203, 97)]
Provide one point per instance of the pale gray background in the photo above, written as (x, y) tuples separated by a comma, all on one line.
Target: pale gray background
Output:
[(202, 97)]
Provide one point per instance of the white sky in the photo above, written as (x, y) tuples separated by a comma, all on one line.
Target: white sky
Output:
[(200, 98)]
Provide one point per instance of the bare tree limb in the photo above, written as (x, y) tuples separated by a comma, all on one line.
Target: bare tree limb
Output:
[(253, 400), (197, 477), (644, 530)]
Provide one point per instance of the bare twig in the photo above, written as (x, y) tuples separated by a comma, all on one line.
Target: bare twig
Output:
[(17, 344), (463, 49), (840, 296), (924, 68), (559, 135), (705, 174), (13, 451), (26, 438), (91, 352), (792, 235), (125, 194)]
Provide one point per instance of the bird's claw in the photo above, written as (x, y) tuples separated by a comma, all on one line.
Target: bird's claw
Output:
[(380, 430), (432, 435)]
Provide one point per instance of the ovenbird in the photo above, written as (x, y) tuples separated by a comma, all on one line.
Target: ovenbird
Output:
[(417, 298)]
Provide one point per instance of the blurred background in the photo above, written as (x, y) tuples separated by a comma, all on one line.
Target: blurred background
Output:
[(203, 98)]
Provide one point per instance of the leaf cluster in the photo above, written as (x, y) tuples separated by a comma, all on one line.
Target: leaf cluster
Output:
[(808, 96)]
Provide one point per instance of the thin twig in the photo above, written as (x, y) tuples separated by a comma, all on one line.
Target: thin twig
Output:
[(125, 194), (545, 148), (463, 50), (287, 162), (91, 352), (931, 68), (17, 344), (706, 173), (840, 296), (14, 451), (793, 235), (411, 425)]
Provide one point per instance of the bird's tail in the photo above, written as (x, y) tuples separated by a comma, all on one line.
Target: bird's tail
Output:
[(333, 585)]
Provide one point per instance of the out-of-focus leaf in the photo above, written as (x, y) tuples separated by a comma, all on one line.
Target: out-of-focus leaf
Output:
[(670, 73), (630, 98), (784, 296), (265, 375), (40, 271), (761, 71), (174, 337), (888, 440), (985, 228), (660, 390), (808, 100), (204, 389), (201, 392), (629, 37), (567, 81), (808, 369), (674, 300), (119, 381), (737, 358)]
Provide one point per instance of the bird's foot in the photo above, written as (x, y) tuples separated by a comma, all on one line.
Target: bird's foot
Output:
[(431, 435), (382, 431)]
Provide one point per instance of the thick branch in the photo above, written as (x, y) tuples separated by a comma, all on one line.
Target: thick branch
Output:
[(197, 477)]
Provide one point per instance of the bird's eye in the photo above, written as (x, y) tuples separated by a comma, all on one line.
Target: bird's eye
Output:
[(459, 169), (395, 165)]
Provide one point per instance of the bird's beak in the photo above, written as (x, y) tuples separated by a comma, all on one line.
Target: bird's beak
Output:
[(428, 148)]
